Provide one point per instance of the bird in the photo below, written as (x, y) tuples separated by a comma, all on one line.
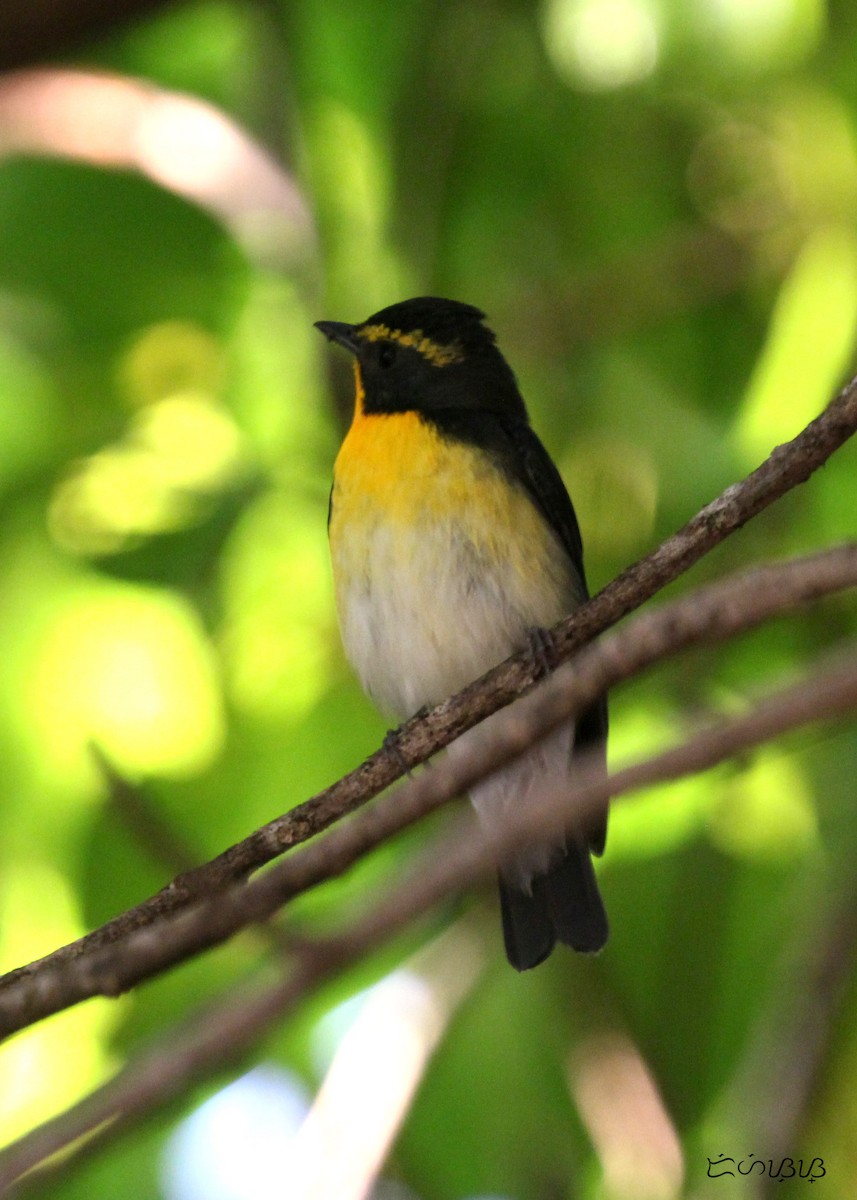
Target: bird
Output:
[(454, 544)]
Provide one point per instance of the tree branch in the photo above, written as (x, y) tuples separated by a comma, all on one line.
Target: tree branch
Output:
[(453, 861), (710, 614), (421, 737)]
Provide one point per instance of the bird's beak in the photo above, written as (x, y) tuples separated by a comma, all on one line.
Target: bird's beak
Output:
[(338, 331)]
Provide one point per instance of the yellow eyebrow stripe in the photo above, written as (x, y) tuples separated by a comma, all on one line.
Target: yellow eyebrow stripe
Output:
[(434, 352)]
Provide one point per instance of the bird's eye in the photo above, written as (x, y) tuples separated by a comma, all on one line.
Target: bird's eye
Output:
[(386, 355)]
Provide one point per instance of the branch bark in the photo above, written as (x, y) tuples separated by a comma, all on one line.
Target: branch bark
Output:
[(789, 464), (453, 861), (98, 965), (710, 614)]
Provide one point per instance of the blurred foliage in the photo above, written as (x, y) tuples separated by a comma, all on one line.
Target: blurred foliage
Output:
[(656, 203)]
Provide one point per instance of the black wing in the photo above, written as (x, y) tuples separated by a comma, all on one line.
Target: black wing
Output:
[(535, 469)]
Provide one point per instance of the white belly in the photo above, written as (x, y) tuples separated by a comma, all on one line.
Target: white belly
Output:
[(419, 626), (424, 613)]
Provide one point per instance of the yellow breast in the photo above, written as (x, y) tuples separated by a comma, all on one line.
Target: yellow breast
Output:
[(441, 563)]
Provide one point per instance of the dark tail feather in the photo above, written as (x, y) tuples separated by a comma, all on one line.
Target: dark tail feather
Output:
[(565, 906), (575, 903), (527, 928)]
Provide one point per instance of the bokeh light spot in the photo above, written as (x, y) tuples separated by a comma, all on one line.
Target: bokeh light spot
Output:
[(763, 33), (169, 357), (353, 190), (661, 818), (236, 1146), (278, 601), (765, 812), (181, 448), (130, 670), (602, 44), (741, 178), (51, 1066), (810, 342)]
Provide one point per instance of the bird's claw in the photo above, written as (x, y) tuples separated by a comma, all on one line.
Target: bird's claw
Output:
[(542, 648), (391, 745)]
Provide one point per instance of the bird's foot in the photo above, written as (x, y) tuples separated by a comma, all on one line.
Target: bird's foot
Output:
[(542, 648), (392, 747)]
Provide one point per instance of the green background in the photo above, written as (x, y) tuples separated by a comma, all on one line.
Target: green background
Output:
[(656, 204)]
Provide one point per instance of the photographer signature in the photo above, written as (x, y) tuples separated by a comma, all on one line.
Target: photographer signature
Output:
[(787, 1169)]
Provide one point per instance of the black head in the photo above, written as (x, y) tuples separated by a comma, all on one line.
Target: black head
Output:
[(429, 355)]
